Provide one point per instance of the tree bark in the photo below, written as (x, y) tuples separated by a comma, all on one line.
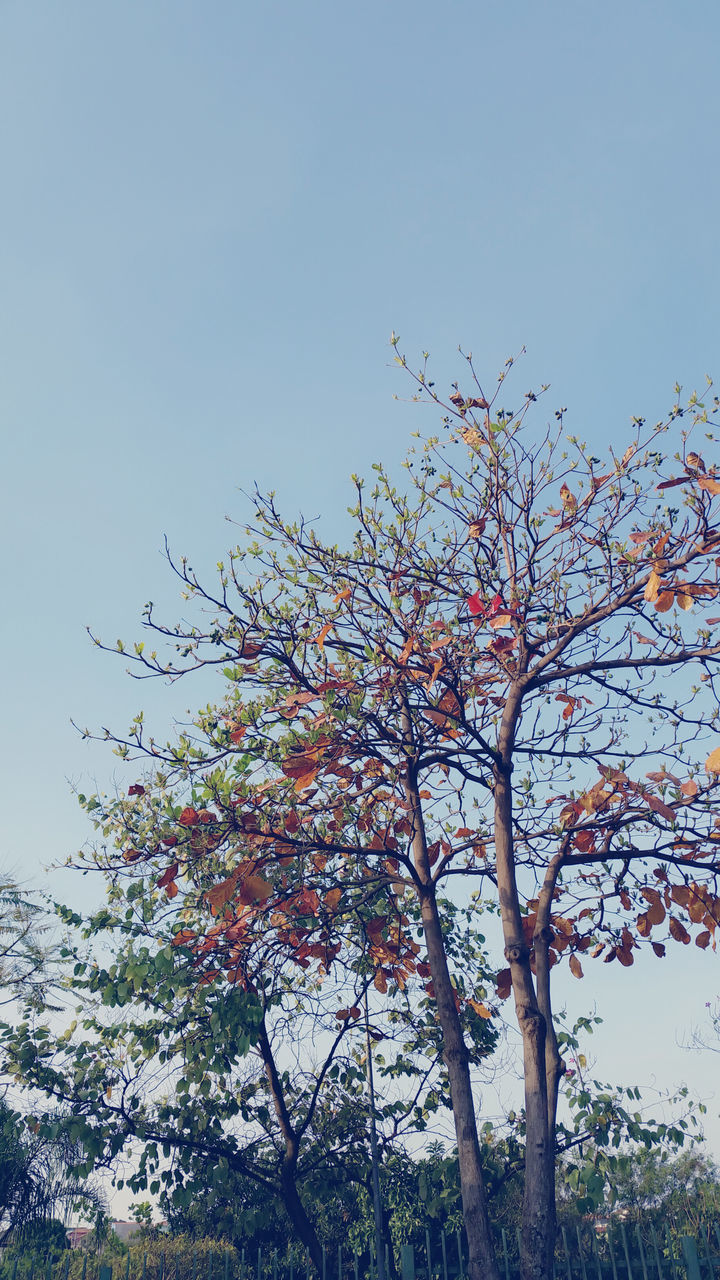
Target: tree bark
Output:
[(481, 1262), (538, 1222)]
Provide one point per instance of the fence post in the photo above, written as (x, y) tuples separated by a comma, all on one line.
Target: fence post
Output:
[(690, 1254), (407, 1262)]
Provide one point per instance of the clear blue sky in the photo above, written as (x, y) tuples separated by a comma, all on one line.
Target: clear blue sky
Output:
[(212, 218)]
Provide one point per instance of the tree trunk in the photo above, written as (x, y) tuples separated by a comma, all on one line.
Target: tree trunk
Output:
[(538, 1222), (304, 1228), (481, 1262)]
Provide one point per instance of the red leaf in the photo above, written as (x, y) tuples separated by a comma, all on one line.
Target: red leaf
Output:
[(476, 605), (136, 790), (188, 818), (504, 984), (168, 876), (670, 484)]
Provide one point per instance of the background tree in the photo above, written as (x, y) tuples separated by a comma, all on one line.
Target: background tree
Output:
[(23, 946), (260, 1084), (506, 677), (38, 1179)]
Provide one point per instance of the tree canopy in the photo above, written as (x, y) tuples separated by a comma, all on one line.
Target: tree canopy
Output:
[(500, 688)]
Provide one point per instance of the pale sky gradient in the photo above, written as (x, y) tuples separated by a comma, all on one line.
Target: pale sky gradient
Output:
[(213, 215)]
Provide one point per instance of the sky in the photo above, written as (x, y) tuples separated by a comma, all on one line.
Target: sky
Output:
[(214, 216)]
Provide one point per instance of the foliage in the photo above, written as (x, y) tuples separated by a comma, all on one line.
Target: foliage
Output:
[(23, 952), (38, 1178)]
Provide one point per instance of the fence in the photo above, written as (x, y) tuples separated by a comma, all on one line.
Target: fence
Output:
[(619, 1252)]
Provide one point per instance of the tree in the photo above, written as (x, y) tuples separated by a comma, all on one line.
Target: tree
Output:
[(37, 1179), (23, 954), (506, 678), (214, 1087)]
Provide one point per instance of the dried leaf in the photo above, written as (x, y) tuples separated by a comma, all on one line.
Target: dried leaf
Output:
[(481, 1009), (575, 967), (322, 636), (168, 876), (658, 806), (664, 601), (707, 483), (652, 586), (678, 931), (504, 984)]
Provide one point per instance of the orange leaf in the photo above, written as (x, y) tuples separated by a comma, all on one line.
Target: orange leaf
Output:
[(380, 982), (254, 889), (332, 898), (171, 889), (132, 855), (643, 925), (188, 818), (678, 931), (707, 482), (342, 595), (712, 764), (342, 1015), (664, 601), (703, 939), (584, 841), (689, 788), (221, 893), (182, 938), (322, 636), (684, 600), (575, 967), (406, 650), (439, 663)]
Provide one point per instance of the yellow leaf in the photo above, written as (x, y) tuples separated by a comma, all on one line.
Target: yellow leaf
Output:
[(684, 600), (712, 764), (481, 1009), (653, 586)]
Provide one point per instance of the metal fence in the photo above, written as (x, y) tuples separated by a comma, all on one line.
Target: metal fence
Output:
[(616, 1251)]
